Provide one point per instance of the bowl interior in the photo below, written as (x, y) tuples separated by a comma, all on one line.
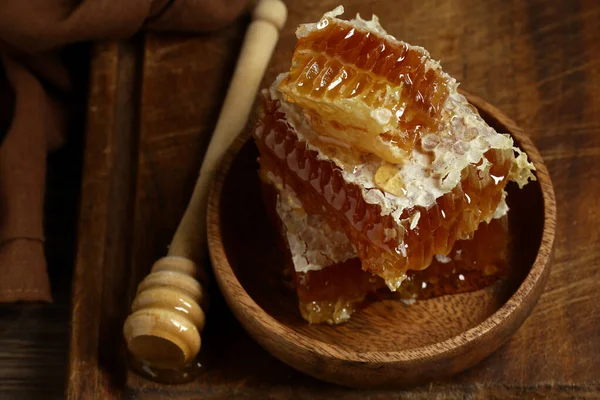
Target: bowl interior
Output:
[(250, 243)]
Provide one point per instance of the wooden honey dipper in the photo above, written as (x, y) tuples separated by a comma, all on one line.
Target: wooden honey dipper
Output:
[(167, 317)]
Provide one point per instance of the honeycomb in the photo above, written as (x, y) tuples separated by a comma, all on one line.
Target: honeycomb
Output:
[(398, 182), (366, 89), (385, 248), (333, 293), (471, 265)]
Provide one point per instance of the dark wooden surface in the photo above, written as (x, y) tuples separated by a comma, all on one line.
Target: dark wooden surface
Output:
[(534, 60), (153, 105)]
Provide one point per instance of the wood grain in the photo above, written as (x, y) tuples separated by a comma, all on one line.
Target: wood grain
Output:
[(102, 263), (537, 61), (386, 344)]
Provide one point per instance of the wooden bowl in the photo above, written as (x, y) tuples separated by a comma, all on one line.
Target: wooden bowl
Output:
[(387, 343)]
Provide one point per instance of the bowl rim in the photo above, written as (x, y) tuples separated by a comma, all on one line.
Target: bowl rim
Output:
[(535, 277)]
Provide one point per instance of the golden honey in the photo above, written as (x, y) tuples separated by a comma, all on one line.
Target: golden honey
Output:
[(471, 265), (322, 190), (341, 73), (333, 293)]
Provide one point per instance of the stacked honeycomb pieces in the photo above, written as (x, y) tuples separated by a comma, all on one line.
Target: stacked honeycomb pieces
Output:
[(381, 170)]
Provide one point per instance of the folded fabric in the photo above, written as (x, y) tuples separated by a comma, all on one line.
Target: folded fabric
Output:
[(32, 32)]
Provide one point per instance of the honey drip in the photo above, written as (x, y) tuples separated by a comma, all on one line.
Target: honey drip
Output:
[(332, 294), (322, 190), (177, 376), (340, 74)]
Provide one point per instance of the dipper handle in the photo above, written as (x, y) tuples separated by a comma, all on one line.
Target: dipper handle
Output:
[(164, 329)]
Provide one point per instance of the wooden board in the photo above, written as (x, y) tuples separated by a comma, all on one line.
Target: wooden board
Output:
[(154, 101)]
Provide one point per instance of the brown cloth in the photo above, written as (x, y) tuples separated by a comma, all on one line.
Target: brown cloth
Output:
[(31, 33)]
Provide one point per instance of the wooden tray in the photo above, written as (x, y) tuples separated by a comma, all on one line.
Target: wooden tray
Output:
[(153, 102)]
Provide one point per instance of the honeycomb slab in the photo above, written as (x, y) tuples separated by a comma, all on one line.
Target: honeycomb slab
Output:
[(380, 166)]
